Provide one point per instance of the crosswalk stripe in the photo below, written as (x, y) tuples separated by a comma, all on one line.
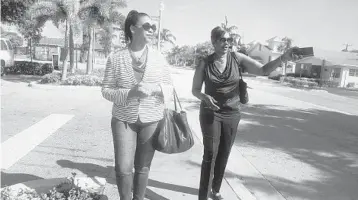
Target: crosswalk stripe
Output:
[(22, 143)]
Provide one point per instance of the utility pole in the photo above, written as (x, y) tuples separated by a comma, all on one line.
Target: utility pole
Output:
[(161, 8)]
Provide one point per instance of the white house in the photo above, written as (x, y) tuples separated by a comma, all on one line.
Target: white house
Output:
[(340, 68), (264, 52)]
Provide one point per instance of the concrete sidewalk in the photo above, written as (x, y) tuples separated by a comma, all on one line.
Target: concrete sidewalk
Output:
[(174, 177)]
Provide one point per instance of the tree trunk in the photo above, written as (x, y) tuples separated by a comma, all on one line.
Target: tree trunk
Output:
[(90, 53), (72, 50), (64, 64), (30, 43)]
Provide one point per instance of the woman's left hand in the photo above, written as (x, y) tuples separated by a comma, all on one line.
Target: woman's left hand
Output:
[(288, 55)]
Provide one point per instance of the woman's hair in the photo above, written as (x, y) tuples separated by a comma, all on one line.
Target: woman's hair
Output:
[(132, 19), (217, 33)]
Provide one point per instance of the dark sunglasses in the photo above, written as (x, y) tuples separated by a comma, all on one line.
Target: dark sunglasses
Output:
[(147, 27), (229, 40)]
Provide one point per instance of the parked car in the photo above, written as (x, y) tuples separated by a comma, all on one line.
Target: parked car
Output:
[(6, 55)]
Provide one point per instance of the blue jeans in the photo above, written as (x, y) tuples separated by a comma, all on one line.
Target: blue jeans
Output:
[(218, 138), (132, 148)]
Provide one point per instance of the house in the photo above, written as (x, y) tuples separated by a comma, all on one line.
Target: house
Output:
[(264, 52), (340, 68), (47, 47)]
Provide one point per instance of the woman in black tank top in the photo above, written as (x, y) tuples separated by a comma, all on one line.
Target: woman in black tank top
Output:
[(220, 74)]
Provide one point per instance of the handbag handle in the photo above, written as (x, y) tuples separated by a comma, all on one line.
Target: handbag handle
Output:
[(176, 98)]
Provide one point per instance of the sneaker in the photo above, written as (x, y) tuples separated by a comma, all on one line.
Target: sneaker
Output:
[(216, 196)]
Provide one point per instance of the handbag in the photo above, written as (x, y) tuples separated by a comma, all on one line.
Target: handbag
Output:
[(173, 134), (244, 96)]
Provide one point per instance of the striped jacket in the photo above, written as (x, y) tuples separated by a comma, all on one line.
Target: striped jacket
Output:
[(119, 79)]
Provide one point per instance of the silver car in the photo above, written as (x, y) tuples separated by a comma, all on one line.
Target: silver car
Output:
[(6, 55)]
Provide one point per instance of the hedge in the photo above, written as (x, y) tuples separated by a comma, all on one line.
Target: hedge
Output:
[(30, 68)]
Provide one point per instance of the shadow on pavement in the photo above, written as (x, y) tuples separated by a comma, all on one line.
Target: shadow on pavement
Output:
[(92, 170), (315, 152), (8, 179)]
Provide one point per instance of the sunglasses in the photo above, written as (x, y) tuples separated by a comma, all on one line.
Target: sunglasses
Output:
[(147, 27), (229, 40)]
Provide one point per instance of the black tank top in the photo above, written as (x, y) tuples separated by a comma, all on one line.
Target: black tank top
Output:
[(221, 86)]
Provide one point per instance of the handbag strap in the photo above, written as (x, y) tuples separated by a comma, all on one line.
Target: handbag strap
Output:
[(176, 100), (238, 63)]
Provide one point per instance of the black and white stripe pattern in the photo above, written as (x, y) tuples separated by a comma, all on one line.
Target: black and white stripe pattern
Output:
[(119, 79)]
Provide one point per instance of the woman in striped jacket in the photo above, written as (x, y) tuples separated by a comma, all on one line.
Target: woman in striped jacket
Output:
[(134, 81)]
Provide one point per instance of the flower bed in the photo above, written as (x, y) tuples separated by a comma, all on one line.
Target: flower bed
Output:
[(72, 79), (73, 188)]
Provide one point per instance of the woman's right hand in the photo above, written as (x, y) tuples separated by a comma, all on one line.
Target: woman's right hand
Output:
[(211, 102), (137, 92)]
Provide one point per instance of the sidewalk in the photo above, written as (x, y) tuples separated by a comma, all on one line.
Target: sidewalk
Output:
[(174, 177)]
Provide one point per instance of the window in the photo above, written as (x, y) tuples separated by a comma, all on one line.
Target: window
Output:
[(3, 45), (336, 72), (353, 72)]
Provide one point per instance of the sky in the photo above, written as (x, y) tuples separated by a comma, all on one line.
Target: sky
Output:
[(325, 24)]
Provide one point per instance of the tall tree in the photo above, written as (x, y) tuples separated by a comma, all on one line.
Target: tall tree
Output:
[(60, 11), (166, 36), (13, 11), (16, 12), (286, 45), (233, 31), (102, 14)]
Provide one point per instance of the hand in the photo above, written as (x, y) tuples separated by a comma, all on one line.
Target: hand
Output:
[(135, 92), (211, 102), (288, 55), (150, 88)]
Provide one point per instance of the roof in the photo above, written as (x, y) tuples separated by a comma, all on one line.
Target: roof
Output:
[(337, 57), (276, 39), (331, 58), (314, 61), (60, 42), (252, 47), (52, 41)]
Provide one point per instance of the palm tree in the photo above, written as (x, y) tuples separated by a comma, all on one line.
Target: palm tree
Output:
[(286, 45), (166, 36), (102, 14), (59, 11), (233, 31)]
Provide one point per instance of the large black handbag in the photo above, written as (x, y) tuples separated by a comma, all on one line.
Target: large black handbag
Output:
[(173, 134)]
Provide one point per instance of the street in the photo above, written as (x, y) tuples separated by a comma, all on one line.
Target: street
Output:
[(300, 144)]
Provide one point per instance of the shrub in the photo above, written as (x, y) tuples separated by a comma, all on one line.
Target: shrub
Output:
[(300, 82), (351, 85), (47, 68), (88, 80), (275, 75), (95, 72), (31, 68), (54, 77), (332, 84)]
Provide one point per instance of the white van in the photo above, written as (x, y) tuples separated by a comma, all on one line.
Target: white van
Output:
[(6, 55)]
